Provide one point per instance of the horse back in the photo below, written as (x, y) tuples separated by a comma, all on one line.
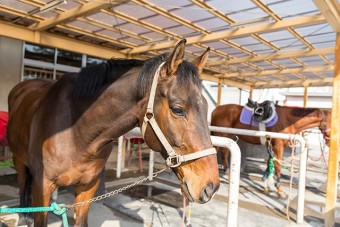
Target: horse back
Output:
[(23, 101), (226, 115)]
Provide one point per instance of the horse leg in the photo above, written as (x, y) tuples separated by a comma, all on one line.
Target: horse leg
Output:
[(278, 150), (41, 191), (24, 182), (225, 158), (83, 193)]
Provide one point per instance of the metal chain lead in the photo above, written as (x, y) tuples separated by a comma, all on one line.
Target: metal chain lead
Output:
[(104, 196)]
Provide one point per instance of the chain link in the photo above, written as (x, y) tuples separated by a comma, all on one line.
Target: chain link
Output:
[(104, 196)]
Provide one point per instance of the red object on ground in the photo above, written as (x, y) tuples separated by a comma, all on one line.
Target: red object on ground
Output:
[(3, 127)]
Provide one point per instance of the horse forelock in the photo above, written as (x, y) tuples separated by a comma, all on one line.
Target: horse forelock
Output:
[(91, 79), (186, 73)]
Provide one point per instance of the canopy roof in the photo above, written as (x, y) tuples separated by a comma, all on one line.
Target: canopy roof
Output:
[(254, 43)]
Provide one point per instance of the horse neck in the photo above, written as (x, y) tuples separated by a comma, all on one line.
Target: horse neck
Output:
[(313, 119), (115, 112)]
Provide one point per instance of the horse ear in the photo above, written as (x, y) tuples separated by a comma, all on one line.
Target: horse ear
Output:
[(175, 59), (200, 61)]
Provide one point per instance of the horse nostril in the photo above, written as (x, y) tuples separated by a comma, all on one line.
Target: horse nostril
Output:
[(207, 192)]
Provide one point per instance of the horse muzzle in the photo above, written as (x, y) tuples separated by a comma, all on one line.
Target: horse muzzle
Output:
[(202, 196)]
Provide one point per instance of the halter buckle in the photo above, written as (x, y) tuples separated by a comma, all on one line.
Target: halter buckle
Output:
[(173, 161)]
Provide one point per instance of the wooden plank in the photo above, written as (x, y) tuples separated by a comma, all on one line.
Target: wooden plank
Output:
[(333, 159)]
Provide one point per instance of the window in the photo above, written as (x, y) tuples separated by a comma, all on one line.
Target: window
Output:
[(34, 72), (91, 60), (39, 53), (69, 58)]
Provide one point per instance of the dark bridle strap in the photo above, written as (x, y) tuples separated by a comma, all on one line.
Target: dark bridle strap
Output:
[(173, 160)]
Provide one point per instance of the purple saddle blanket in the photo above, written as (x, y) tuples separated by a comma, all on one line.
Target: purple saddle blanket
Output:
[(247, 118)]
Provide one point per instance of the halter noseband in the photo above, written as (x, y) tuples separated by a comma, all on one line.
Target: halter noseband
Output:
[(174, 159)]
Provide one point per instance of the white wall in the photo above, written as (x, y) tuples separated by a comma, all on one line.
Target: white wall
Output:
[(11, 52)]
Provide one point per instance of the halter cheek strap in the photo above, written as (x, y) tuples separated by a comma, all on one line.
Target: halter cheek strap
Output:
[(173, 160)]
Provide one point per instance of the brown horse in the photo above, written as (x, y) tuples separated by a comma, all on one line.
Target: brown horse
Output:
[(290, 120), (61, 132)]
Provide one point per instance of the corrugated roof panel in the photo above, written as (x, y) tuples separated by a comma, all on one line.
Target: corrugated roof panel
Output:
[(329, 74), (111, 34), (217, 45), (213, 24), (106, 18), (7, 16), (160, 21), (312, 60), (47, 14), (258, 47), (181, 30), (290, 8), (133, 28), (65, 31), (273, 78), (134, 41), (321, 37), (250, 14), (277, 35), (69, 5), (241, 55), (173, 4), (290, 76), (288, 63), (84, 26), (260, 78), (244, 41), (193, 49), (231, 6), (314, 29), (192, 13), (18, 5), (289, 43), (264, 65), (324, 44), (310, 75), (131, 7), (330, 57), (231, 51), (154, 36)]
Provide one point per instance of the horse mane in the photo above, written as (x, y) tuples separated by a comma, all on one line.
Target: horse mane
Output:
[(300, 111), (93, 78), (186, 72)]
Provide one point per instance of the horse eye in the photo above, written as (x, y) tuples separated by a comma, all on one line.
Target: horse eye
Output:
[(178, 111)]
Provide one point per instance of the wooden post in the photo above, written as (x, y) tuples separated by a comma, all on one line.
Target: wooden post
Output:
[(333, 160), (251, 93), (305, 96), (219, 92)]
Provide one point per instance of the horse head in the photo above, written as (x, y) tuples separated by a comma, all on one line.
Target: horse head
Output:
[(180, 112), (325, 125)]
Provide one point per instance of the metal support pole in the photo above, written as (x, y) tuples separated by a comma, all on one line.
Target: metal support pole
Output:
[(303, 158), (151, 164), (234, 180), (119, 157)]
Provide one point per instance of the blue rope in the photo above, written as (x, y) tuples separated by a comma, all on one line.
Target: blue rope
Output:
[(55, 208)]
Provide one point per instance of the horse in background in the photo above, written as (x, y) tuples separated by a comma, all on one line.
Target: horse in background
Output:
[(61, 132), (291, 120)]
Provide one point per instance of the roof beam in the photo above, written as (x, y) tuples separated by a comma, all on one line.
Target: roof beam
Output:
[(295, 83), (283, 71), (330, 9), (274, 56), (56, 41), (232, 83), (71, 14), (283, 24)]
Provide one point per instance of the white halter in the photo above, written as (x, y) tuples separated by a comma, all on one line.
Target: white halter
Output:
[(174, 160)]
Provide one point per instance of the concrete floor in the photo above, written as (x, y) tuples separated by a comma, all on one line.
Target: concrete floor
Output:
[(159, 203)]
